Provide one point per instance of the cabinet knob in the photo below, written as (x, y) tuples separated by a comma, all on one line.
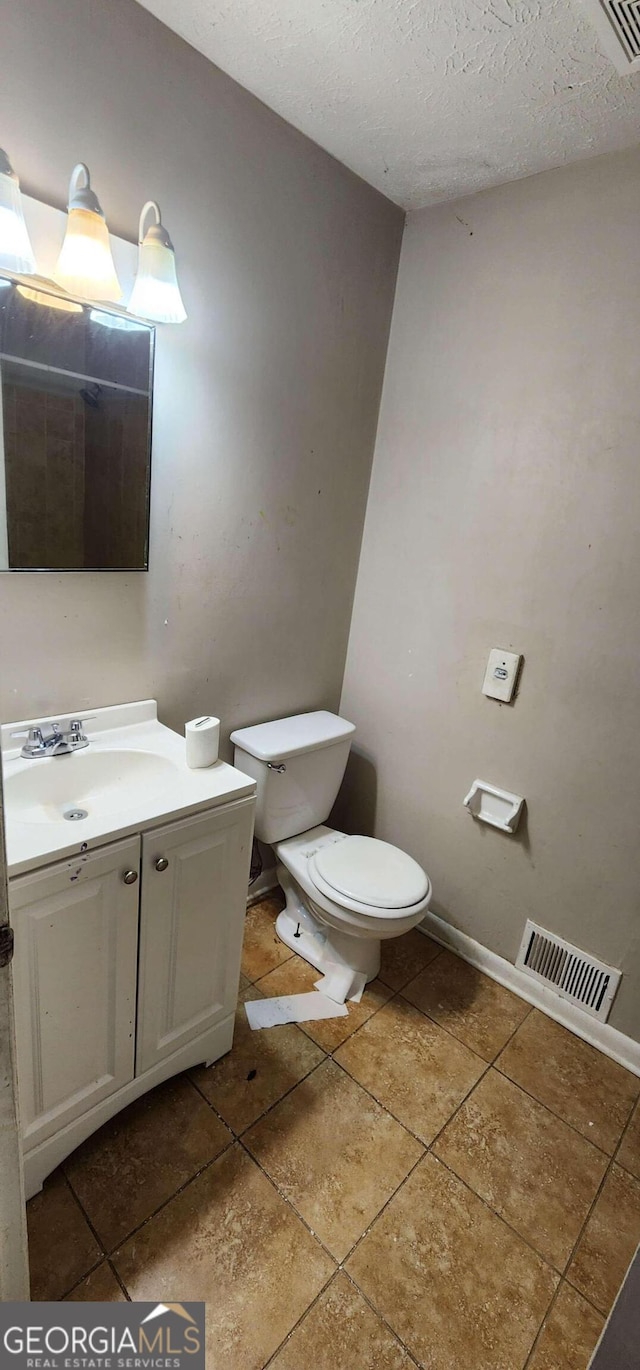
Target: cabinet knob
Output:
[(162, 863), (130, 877)]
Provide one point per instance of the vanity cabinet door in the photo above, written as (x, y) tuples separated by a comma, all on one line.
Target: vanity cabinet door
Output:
[(76, 931), (194, 893)]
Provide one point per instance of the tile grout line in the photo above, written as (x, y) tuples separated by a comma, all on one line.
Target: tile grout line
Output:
[(501, 1218), (120, 1282), (381, 1316), (94, 1234), (340, 1263), (614, 1158), (407, 1128), (400, 992), (270, 1107), (581, 1234), (281, 1345), (613, 1162), (587, 1219), (289, 1202), (330, 1050), (110, 1251), (65, 1294), (203, 1096), (610, 1155), (332, 1279), (352, 1250), (329, 1054), (394, 995), (552, 1304), (489, 1065), (105, 1261)]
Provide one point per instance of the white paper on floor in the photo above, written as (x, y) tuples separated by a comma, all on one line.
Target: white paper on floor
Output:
[(292, 1008)]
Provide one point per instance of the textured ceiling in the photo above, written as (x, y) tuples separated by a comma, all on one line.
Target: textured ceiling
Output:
[(426, 99)]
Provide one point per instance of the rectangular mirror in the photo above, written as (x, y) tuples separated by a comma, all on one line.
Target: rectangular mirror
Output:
[(75, 433)]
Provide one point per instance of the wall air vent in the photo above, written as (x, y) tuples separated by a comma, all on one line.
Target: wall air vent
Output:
[(618, 25), (568, 971)]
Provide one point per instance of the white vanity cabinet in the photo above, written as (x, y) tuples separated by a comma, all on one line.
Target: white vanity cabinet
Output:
[(76, 937), (127, 960)]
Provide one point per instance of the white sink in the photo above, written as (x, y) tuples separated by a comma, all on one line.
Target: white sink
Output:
[(133, 776), (84, 784)]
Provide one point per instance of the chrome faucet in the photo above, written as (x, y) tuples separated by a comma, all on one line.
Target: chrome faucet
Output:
[(58, 742)]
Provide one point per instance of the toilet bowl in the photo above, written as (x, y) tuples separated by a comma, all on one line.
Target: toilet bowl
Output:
[(344, 894), (323, 921)]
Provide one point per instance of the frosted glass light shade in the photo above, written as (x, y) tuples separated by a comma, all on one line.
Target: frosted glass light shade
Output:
[(156, 293), (85, 265), (16, 253)]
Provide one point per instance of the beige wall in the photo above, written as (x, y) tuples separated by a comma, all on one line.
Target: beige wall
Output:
[(505, 511), (266, 400)]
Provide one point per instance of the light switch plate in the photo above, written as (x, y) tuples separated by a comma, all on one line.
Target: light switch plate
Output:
[(501, 675)]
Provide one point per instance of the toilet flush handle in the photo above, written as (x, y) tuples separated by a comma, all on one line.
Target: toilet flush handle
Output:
[(280, 769)]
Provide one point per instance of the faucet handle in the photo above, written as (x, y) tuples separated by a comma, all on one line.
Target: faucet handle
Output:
[(76, 724), (33, 734)]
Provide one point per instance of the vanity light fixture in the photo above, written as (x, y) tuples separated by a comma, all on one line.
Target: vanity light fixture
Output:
[(16, 253), (85, 265), (156, 293)]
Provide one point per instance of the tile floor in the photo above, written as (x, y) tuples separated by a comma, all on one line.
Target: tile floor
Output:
[(446, 1179)]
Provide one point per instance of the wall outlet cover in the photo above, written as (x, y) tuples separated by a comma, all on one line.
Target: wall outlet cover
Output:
[(501, 675)]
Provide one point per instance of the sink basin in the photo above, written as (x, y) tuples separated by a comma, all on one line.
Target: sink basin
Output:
[(132, 777), (85, 784)]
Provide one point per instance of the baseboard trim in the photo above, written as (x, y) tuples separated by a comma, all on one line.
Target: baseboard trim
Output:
[(265, 884), (608, 1039)]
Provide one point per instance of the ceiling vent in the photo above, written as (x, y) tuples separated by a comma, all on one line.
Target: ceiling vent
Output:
[(618, 25), (568, 971)]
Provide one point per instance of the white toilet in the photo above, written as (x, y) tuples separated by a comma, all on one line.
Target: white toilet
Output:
[(344, 894)]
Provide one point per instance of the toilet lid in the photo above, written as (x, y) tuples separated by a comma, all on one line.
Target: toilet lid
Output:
[(371, 872)]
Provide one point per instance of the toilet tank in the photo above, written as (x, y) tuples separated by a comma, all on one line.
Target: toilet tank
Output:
[(298, 764)]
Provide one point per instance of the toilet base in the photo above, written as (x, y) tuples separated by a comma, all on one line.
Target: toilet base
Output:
[(322, 946)]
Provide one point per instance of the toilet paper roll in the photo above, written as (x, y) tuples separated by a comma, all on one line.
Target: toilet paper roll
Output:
[(202, 736)]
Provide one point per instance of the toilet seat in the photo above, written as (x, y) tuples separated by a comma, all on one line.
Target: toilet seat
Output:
[(369, 877)]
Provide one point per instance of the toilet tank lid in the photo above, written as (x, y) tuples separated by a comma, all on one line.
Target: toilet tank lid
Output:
[(291, 736)]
